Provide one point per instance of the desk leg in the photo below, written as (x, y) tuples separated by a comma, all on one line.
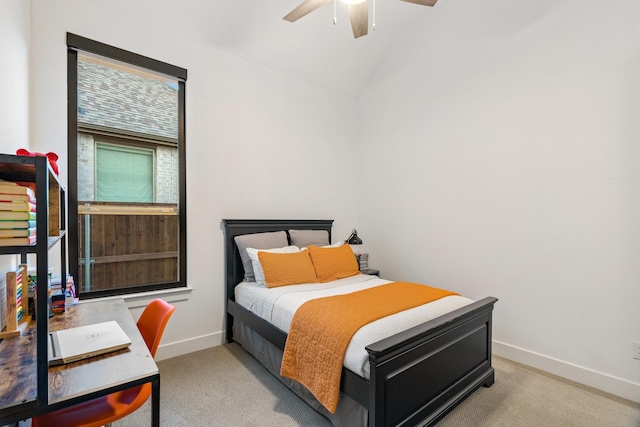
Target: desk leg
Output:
[(155, 401)]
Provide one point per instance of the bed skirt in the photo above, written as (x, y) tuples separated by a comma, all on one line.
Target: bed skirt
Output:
[(349, 412)]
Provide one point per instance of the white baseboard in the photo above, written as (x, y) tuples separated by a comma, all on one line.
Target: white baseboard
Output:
[(179, 348), (607, 383)]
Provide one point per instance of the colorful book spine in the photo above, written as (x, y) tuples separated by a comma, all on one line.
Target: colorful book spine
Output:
[(10, 212), (16, 197), (8, 187), (17, 241), (17, 202), (6, 224), (18, 232), (17, 216), (18, 206)]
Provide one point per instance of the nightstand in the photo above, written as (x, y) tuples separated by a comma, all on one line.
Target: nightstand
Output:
[(371, 272)]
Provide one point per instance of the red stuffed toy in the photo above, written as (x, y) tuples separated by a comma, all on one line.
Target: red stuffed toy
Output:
[(53, 157)]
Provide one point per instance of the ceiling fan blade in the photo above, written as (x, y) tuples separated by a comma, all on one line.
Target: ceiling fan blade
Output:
[(305, 7), (359, 15), (423, 2)]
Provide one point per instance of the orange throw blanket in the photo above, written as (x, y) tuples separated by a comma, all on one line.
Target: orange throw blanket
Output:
[(322, 328)]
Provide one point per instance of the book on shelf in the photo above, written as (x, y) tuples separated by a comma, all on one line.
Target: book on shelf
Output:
[(9, 187), (17, 206), (17, 216), (16, 197), (17, 241), (18, 232), (7, 224)]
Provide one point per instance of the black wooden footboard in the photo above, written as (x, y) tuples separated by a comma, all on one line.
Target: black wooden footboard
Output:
[(419, 375)]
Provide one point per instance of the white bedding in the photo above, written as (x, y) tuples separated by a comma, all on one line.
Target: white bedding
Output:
[(278, 305)]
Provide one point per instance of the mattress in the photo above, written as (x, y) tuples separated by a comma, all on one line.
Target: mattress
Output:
[(278, 305)]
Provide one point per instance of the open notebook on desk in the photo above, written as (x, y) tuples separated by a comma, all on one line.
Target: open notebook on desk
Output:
[(73, 344)]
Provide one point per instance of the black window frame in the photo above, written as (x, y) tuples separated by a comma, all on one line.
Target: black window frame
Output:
[(77, 44)]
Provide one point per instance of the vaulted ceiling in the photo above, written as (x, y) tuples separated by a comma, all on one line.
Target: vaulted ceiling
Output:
[(313, 48)]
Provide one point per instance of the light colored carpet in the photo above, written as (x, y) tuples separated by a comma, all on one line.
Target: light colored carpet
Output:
[(523, 396), (225, 386)]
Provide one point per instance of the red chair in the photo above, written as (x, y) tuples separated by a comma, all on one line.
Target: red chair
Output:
[(105, 410)]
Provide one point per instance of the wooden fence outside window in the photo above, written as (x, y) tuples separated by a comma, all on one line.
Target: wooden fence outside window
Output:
[(126, 245)]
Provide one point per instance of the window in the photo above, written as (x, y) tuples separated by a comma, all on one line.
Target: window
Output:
[(127, 180), (124, 174)]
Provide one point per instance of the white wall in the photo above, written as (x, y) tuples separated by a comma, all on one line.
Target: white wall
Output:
[(15, 41), (502, 159), (259, 144)]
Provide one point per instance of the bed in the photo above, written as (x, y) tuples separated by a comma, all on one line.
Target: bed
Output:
[(414, 377)]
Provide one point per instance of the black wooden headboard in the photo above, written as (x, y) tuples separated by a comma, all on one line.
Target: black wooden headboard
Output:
[(234, 272)]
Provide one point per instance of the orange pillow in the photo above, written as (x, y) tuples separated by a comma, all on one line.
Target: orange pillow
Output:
[(281, 269), (333, 263)]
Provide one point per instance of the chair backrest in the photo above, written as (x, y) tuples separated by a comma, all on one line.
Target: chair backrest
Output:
[(152, 322)]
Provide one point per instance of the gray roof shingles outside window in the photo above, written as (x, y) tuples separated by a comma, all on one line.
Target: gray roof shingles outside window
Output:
[(118, 100)]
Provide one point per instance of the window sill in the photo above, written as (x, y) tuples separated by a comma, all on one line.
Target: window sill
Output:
[(143, 298)]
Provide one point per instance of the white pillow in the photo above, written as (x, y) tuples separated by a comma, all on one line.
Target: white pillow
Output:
[(255, 261), (334, 245)]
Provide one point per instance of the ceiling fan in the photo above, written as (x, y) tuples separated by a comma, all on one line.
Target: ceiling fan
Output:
[(358, 12)]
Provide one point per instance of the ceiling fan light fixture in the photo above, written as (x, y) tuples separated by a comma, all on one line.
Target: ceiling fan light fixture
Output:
[(358, 12)]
